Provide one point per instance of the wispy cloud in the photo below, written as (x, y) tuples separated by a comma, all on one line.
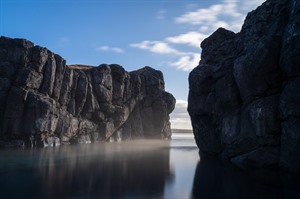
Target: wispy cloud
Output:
[(179, 117), (200, 16), (112, 49), (191, 38), (156, 47), (200, 23), (226, 15), (186, 62), (229, 14)]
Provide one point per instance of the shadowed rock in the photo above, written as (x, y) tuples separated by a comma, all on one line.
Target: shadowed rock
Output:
[(244, 98), (40, 94)]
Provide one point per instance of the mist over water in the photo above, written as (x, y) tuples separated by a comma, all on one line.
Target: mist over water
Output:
[(129, 169), (140, 169)]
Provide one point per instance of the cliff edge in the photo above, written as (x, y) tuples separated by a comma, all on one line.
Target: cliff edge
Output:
[(43, 98), (244, 97)]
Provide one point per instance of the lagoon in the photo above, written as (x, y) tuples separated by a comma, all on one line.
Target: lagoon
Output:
[(155, 169), (129, 169)]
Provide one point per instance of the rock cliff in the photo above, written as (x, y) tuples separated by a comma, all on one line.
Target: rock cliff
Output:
[(244, 98), (42, 97)]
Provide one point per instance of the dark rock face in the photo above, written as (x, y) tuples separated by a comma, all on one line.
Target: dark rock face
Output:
[(244, 99), (41, 96)]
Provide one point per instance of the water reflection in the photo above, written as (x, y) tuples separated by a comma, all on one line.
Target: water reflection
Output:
[(135, 169), (215, 179), (108, 170), (183, 161), (139, 169)]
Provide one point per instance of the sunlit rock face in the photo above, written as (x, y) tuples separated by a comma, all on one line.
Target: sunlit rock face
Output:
[(244, 98), (41, 96)]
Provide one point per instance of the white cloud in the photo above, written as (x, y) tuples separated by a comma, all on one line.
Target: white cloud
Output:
[(186, 62), (191, 38), (204, 28), (107, 48), (229, 14), (200, 16), (211, 14), (158, 47), (180, 118), (225, 14), (231, 8)]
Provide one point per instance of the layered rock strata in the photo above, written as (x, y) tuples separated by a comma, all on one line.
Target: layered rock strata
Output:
[(42, 97), (244, 98)]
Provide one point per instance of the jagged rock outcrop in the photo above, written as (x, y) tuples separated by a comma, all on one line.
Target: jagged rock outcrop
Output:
[(40, 95), (244, 98)]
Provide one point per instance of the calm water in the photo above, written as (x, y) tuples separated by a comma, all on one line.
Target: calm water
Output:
[(135, 169)]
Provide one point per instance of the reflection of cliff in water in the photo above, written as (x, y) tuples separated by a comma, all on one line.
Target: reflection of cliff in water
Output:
[(114, 170), (215, 179)]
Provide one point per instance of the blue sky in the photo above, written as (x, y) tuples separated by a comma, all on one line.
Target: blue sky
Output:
[(163, 34)]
